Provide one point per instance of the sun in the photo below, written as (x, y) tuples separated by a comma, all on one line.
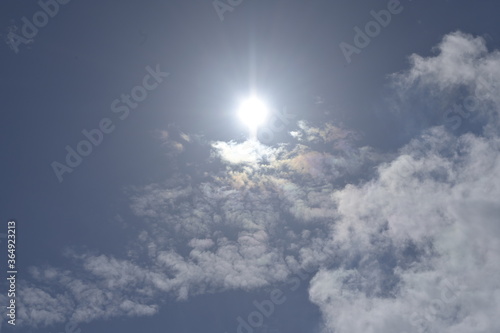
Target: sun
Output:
[(253, 113)]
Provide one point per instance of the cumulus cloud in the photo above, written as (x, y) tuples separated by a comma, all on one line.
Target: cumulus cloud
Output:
[(435, 207), (455, 86)]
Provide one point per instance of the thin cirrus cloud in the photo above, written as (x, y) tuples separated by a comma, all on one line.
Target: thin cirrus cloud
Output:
[(413, 248)]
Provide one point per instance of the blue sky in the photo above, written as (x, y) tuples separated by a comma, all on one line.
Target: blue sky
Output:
[(367, 201)]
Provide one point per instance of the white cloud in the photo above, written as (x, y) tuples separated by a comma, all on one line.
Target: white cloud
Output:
[(440, 196), (250, 152)]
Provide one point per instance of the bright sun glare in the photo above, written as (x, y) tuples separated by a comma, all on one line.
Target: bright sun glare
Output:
[(253, 113)]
